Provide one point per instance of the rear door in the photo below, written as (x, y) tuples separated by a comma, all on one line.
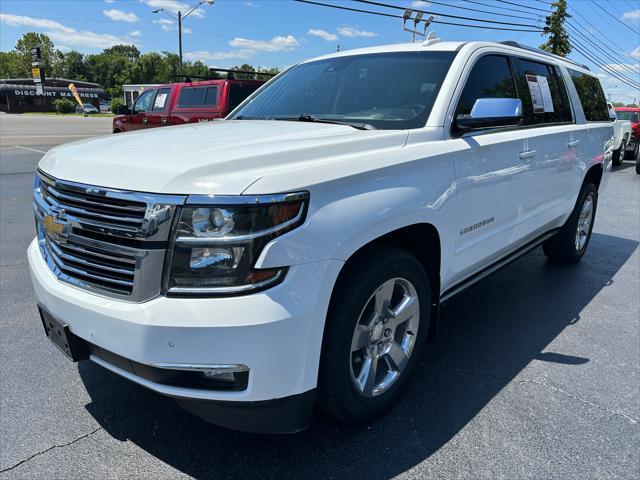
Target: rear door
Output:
[(158, 115), (138, 118), (199, 103), (494, 174), (548, 117)]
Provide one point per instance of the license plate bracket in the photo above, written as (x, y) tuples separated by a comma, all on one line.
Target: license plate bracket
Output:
[(62, 337)]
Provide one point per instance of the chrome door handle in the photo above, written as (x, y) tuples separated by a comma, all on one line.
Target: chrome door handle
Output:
[(527, 154), (145, 119), (573, 143), (163, 121)]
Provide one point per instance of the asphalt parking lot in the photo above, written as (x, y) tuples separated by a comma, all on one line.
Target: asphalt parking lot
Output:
[(535, 374)]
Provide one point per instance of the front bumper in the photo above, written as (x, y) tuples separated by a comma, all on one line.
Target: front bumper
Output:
[(276, 333)]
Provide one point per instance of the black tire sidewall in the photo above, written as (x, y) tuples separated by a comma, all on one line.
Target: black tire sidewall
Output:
[(391, 262)]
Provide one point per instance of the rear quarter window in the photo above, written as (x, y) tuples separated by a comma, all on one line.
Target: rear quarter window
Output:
[(238, 92), (591, 95)]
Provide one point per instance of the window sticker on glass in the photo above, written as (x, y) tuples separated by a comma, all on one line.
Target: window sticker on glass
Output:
[(540, 93), (161, 99)]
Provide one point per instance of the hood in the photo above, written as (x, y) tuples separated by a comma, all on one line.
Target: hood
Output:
[(221, 158)]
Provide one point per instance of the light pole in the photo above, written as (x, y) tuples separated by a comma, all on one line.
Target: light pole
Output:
[(179, 19)]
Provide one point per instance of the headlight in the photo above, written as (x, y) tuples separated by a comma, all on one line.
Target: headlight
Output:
[(216, 245)]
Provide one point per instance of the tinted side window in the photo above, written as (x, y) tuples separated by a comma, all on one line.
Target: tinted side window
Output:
[(161, 101), (544, 96), (490, 78), (205, 96), (143, 103), (591, 96), (239, 91)]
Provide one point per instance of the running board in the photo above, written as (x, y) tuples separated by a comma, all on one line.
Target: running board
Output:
[(499, 265)]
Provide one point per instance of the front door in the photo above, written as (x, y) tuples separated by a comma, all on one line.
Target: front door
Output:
[(138, 118), (158, 114), (494, 173)]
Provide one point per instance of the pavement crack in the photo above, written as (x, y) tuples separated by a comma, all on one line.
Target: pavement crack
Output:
[(557, 389), (31, 457)]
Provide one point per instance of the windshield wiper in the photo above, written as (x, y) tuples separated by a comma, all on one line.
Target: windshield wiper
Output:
[(311, 118)]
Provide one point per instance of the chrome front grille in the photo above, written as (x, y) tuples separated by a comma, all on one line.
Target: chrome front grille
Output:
[(108, 241), (94, 266)]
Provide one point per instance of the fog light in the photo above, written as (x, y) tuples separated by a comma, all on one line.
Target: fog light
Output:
[(220, 376)]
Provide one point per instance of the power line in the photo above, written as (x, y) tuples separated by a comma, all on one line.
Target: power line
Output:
[(480, 11), (502, 8), (458, 17), (609, 70), (359, 10), (617, 20), (523, 6), (584, 37), (602, 35)]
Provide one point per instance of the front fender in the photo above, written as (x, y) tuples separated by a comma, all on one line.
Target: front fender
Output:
[(348, 213)]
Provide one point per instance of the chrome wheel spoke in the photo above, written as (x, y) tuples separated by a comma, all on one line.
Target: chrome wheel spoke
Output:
[(366, 380), (383, 297), (361, 338), (406, 310), (396, 357)]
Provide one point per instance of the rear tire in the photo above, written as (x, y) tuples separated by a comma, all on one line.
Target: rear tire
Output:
[(635, 153), (570, 243), (619, 154), (364, 326)]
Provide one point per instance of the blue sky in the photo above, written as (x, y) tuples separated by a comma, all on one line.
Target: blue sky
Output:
[(280, 32)]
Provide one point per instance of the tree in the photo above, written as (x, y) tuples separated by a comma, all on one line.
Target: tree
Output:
[(47, 52), (245, 67), (128, 51), (11, 65), (72, 66), (558, 41)]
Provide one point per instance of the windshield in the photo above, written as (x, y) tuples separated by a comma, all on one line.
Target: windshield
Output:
[(385, 90), (622, 115)]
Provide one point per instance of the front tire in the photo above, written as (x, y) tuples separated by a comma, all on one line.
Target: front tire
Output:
[(376, 329), (635, 153), (570, 243)]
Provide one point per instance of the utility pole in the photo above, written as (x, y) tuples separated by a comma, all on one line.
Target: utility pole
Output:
[(180, 39), (179, 19)]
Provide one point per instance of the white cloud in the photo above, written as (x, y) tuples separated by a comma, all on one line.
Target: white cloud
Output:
[(135, 33), (120, 16), (635, 53), (317, 32), (165, 24), (632, 15), (109, 1), (354, 32), (419, 4), (63, 34), (249, 3), (174, 6), (624, 67), (208, 56), (186, 30), (276, 44), (244, 48), (24, 21)]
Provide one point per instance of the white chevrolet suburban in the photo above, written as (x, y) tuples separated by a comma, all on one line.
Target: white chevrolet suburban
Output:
[(298, 251)]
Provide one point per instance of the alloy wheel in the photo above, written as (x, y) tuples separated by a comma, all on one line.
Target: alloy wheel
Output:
[(384, 337)]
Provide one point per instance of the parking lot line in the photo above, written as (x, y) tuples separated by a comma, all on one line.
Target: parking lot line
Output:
[(29, 148)]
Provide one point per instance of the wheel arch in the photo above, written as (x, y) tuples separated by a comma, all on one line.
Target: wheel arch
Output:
[(422, 240), (594, 175)]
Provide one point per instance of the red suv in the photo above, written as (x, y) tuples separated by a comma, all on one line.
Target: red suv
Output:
[(190, 102)]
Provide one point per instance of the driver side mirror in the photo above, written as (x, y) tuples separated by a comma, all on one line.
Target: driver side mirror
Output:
[(491, 113)]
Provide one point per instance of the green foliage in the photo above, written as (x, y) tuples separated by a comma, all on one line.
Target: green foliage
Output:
[(64, 105), (245, 67), (116, 102), (558, 41)]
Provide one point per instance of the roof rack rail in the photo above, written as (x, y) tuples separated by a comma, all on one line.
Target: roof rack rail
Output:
[(511, 43)]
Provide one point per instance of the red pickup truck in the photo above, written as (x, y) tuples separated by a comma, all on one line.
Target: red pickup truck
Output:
[(178, 103)]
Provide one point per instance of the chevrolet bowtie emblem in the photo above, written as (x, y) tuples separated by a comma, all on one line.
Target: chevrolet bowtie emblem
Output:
[(56, 228)]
